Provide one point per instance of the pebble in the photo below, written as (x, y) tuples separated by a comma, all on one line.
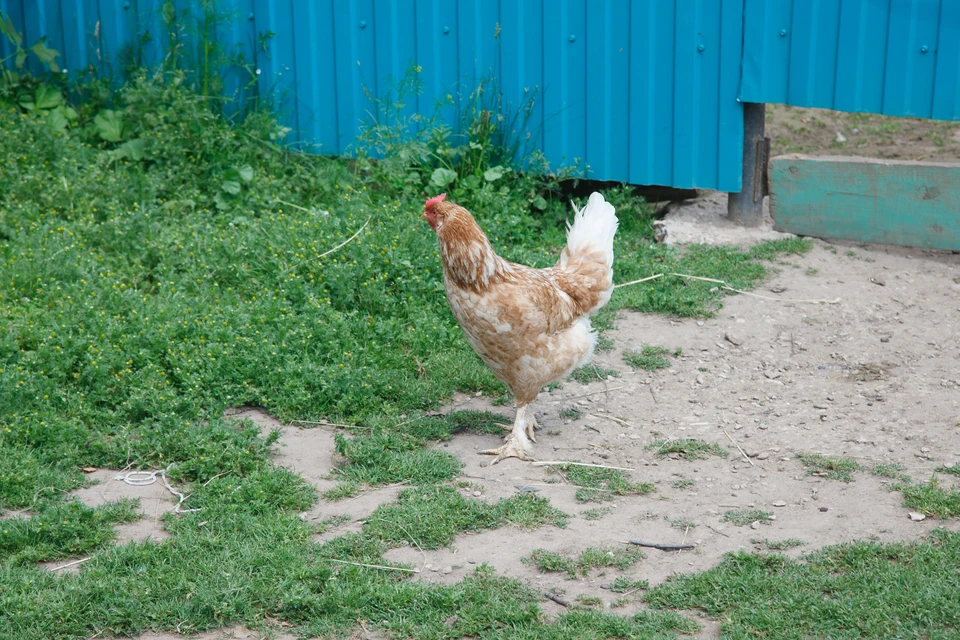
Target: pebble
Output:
[(755, 525), (917, 517), (733, 338), (477, 494), (779, 503), (763, 455), (447, 570), (824, 509)]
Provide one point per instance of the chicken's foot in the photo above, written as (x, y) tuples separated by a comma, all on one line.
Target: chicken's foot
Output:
[(517, 442)]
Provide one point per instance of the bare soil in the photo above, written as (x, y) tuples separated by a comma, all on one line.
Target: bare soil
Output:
[(802, 130)]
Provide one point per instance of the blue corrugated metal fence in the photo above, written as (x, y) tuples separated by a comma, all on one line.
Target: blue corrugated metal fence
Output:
[(641, 91)]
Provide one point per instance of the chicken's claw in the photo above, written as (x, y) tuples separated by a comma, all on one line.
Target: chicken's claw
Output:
[(510, 449)]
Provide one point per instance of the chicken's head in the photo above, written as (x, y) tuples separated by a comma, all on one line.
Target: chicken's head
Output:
[(433, 214)]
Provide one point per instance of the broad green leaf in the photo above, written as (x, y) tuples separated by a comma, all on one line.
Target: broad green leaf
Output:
[(57, 120), (45, 54), (442, 177), (493, 173), (231, 186), (246, 173), (109, 125), (133, 149), (47, 97), (9, 30), (539, 203)]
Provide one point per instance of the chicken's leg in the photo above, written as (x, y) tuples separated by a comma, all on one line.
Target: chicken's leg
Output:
[(518, 440)]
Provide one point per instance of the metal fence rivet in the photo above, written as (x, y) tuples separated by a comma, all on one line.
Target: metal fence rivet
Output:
[(573, 38), (363, 24), (446, 29), (700, 47), (783, 33), (250, 16), (923, 49)]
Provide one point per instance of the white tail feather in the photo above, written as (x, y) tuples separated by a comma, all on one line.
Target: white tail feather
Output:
[(593, 228)]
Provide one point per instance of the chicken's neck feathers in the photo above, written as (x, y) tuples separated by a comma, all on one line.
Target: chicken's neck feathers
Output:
[(469, 259)]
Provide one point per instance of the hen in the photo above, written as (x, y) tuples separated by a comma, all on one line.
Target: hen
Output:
[(530, 326)]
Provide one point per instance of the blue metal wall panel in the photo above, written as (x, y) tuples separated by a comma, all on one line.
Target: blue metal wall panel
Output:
[(895, 57), (643, 91)]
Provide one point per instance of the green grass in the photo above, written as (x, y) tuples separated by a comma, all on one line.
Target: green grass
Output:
[(596, 513), (860, 590), (954, 469), (931, 499), (829, 467), (688, 448), (893, 470), (649, 358), (600, 484), (683, 483), (570, 414), (432, 515), (591, 558), (777, 545), (592, 373), (744, 517)]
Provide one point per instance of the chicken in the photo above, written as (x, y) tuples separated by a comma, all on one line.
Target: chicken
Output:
[(530, 326)]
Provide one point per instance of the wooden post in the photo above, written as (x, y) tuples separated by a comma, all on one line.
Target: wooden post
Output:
[(746, 207)]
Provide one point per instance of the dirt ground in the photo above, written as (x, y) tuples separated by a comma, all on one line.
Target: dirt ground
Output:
[(802, 130)]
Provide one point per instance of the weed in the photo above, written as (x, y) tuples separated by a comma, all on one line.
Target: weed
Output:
[(688, 448), (622, 584), (683, 483), (570, 414), (592, 373), (477, 422), (743, 517), (777, 545), (600, 484), (858, 590), (952, 470), (930, 499), (432, 515), (829, 467), (811, 271), (591, 558), (649, 358), (596, 514), (893, 470), (681, 523)]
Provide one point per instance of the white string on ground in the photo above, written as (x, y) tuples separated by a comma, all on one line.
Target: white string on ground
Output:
[(146, 478)]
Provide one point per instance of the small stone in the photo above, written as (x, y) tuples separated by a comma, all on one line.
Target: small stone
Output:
[(924, 449), (917, 517), (700, 323), (447, 570), (429, 567), (779, 503), (773, 375), (885, 339), (477, 494), (755, 525), (763, 455), (733, 338), (824, 509)]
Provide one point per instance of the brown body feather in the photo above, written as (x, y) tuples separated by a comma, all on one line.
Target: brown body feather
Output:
[(530, 326)]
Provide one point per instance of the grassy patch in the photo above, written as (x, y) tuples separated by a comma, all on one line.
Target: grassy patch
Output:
[(599, 484), (682, 523), (622, 584), (893, 470), (591, 558), (683, 483), (744, 517), (596, 513), (829, 467), (570, 414), (860, 590), (953, 470), (478, 422), (931, 499), (777, 545), (649, 358), (592, 373), (432, 516), (688, 448)]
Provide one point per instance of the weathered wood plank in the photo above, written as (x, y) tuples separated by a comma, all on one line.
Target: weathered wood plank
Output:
[(913, 204)]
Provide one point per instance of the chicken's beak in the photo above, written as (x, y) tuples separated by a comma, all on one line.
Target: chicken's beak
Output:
[(423, 216)]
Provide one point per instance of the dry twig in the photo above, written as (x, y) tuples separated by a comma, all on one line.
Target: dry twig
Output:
[(742, 452)]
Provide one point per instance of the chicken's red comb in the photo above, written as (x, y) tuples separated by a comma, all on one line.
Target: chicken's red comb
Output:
[(434, 200)]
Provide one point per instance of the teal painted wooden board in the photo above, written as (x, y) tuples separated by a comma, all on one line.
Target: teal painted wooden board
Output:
[(912, 204)]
